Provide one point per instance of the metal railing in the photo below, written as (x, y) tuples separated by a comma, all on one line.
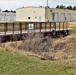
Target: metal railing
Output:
[(12, 28)]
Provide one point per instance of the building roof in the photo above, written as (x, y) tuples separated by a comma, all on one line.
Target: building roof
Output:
[(31, 7), (45, 7)]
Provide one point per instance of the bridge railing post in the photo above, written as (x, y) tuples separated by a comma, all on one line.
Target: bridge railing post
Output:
[(13, 27), (55, 26), (20, 28), (59, 26), (40, 26), (63, 26), (50, 26), (5, 28), (45, 26), (34, 26)]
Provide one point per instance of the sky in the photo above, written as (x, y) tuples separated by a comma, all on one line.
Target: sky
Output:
[(14, 4)]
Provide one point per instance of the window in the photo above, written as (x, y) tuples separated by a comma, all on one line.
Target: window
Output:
[(35, 17), (50, 10), (53, 16), (63, 18), (29, 17)]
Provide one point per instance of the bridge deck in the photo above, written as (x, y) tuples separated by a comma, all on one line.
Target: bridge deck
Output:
[(29, 31), (16, 30)]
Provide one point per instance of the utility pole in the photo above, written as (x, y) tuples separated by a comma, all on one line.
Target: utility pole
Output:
[(47, 12), (47, 3)]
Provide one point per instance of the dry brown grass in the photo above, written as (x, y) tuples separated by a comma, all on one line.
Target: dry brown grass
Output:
[(72, 25), (45, 48)]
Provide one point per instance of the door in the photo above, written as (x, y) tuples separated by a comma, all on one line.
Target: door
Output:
[(62, 17), (68, 17), (55, 17), (74, 17)]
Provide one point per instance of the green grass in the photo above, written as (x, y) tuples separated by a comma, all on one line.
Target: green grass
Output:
[(17, 64), (73, 31)]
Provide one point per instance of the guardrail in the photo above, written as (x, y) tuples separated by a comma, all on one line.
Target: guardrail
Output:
[(12, 28)]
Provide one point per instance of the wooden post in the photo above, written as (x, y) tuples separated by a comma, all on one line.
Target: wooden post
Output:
[(63, 25), (34, 27), (40, 26), (50, 26), (55, 25), (20, 28), (59, 26), (45, 26), (66, 25), (13, 28), (5, 28), (28, 27)]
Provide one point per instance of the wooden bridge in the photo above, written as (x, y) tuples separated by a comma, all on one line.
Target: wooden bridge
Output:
[(8, 30)]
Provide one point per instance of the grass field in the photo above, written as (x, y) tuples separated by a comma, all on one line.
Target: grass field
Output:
[(17, 64), (73, 30)]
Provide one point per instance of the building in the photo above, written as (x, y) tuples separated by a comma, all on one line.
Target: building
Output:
[(44, 14), (7, 16)]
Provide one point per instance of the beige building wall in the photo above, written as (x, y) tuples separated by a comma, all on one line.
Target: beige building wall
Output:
[(41, 14), (59, 12), (32, 14)]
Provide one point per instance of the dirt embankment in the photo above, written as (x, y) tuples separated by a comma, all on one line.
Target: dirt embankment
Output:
[(48, 48)]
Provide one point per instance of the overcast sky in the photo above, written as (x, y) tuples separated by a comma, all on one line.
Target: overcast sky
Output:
[(14, 4)]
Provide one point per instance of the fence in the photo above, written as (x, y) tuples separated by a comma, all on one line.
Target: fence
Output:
[(12, 28)]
